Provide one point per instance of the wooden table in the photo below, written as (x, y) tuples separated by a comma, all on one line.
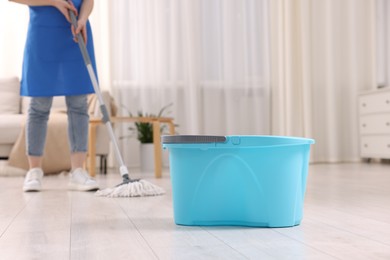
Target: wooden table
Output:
[(156, 121)]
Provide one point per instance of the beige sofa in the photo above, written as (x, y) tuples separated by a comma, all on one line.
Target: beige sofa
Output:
[(13, 111), (11, 117)]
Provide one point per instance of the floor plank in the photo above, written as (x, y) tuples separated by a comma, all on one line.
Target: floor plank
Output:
[(346, 216), (335, 242), (265, 243), (101, 230), (41, 229)]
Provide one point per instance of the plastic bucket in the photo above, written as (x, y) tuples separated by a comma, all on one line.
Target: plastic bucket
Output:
[(238, 180)]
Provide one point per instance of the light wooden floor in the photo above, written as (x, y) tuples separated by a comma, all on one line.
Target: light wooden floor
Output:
[(347, 216)]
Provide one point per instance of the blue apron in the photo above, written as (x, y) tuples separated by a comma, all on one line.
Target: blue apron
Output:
[(53, 64)]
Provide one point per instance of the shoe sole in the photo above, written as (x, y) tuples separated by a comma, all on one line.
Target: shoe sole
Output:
[(79, 187), (31, 189)]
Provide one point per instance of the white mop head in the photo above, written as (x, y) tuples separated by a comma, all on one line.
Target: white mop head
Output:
[(133, 189)]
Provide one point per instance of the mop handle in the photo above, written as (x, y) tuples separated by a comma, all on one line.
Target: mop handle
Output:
[(80, 39), (106, 118)]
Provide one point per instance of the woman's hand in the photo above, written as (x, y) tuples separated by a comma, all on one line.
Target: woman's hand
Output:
[(81, 28), (64, 7)]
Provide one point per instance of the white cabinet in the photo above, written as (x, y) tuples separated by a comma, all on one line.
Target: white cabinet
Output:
[(374, 124)]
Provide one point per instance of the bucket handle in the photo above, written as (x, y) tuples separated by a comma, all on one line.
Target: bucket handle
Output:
[(193, 139)]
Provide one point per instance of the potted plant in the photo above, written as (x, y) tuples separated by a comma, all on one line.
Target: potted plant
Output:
[(144, 133)]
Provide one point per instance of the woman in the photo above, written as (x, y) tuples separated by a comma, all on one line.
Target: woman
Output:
[(53, 66)]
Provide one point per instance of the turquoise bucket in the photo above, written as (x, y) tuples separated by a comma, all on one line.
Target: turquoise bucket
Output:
[(257, 181)]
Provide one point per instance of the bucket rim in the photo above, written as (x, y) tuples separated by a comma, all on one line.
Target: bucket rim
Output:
[(209, 139)]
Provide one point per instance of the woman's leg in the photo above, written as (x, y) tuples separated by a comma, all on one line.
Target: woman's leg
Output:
[(38, 115), (36, 129), (78, 119)]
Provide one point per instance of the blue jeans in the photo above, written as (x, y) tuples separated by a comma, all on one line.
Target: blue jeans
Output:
[(38, 115)]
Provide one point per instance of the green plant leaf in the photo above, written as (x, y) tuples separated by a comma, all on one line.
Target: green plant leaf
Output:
[(145, 130)]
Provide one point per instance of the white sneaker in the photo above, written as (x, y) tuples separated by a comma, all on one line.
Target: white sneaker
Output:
[(81, 181), (33, 180)]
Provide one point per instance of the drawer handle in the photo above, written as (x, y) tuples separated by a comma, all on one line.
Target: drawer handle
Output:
[(366, 145), (364, 104), (388, 145), (387, 101), (364, 125), (388, 123)]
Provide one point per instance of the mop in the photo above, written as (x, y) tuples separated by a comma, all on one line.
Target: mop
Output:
[(128, 187)]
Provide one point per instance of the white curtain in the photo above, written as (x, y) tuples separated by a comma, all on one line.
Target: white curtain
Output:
[(13, 30), (210, 58), (324, 55), (383, 42), (101, 25)]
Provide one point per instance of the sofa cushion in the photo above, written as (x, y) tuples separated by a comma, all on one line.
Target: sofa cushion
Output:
[(10, 97), (10, 128)]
